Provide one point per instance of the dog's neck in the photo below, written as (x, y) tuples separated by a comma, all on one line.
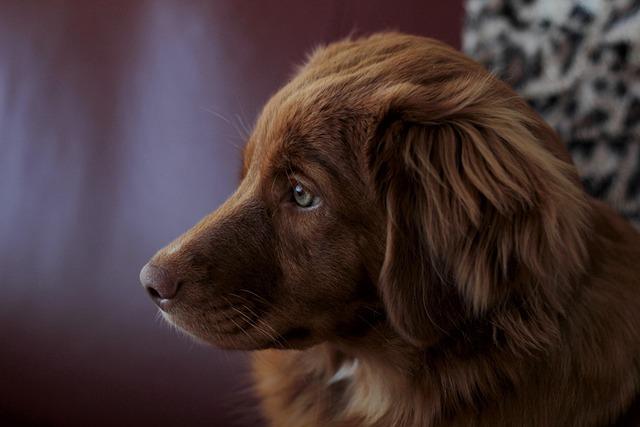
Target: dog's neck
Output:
[(380, 368), (367, 381)]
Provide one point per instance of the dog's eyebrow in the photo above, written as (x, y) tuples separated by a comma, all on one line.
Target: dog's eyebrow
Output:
[(306, 151)]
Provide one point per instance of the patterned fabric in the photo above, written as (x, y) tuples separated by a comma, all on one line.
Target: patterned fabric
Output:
[(577, 62)]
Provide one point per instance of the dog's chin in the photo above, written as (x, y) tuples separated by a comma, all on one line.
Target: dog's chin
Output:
[(242, 337)]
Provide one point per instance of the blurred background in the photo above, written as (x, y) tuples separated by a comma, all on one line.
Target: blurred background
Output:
[(120, 127)]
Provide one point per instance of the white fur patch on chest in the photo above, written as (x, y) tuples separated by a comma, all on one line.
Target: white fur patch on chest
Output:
[(368, 395), (346, 371)]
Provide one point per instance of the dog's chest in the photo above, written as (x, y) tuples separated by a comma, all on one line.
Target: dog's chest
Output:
[(364, 393), (350, 394)]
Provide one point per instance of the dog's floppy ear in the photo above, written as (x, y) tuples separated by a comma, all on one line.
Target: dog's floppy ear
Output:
[(482, 203)]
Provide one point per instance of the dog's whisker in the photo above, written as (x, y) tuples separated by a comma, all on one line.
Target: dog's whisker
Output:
[(241, 134), (255, 295), (255, 322), (265, 328), (244, 315), (241, 328), (260, 325), (246, 130), (243, 120)]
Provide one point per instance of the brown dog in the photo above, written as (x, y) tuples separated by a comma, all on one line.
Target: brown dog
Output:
[(412, 244)]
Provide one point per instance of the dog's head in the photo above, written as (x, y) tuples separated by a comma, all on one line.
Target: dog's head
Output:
[(392, 181)]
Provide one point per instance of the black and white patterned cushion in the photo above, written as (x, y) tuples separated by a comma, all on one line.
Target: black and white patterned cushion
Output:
[(577, 62)]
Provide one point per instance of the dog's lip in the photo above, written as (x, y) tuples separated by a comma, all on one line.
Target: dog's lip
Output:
[(224, 332), (165, 304)]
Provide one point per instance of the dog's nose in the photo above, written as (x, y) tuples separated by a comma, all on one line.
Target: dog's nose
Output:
[(161, 285)]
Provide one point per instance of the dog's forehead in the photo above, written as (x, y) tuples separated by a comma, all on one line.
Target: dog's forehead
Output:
[(297, 122), (332, 97)]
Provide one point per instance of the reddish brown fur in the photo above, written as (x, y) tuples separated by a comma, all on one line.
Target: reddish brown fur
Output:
[(455, 271)]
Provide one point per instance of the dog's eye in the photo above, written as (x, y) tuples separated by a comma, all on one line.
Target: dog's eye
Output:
[(303, 197)]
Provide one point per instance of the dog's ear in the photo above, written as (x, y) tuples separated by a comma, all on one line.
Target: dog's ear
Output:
[(481, 200)]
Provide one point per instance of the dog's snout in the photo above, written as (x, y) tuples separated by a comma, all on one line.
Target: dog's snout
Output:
[(161, 285)]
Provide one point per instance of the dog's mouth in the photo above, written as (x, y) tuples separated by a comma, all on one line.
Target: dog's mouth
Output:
[(235, 324)]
